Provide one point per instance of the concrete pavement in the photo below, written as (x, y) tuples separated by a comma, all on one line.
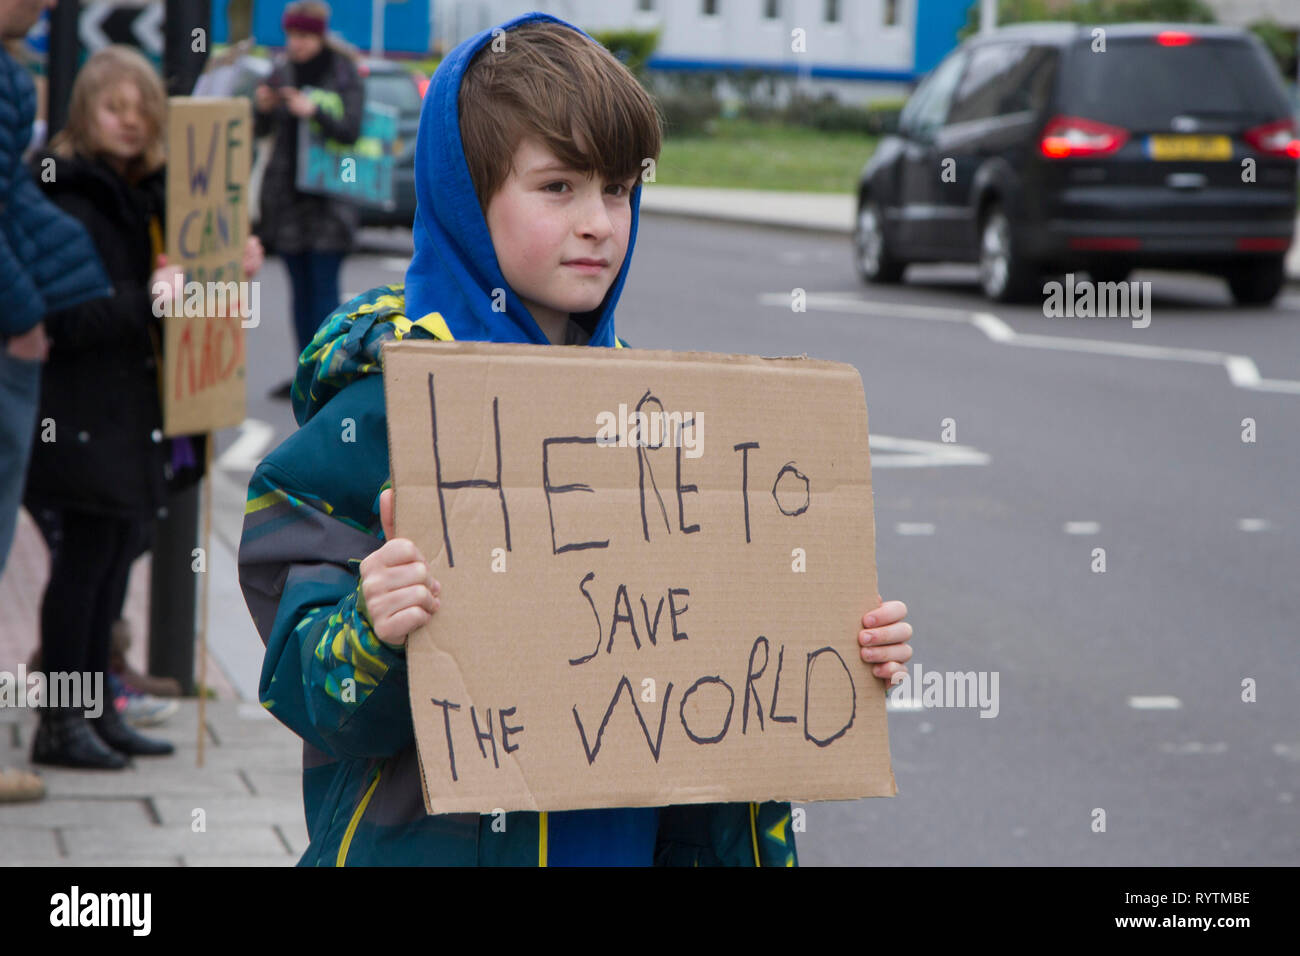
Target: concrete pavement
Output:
[(820, 212), (244, 808)]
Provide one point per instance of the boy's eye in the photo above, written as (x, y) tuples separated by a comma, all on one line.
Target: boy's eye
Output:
[(562, 185)]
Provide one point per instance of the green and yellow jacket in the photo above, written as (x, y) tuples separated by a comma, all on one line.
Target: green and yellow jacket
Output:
[(312, 515)]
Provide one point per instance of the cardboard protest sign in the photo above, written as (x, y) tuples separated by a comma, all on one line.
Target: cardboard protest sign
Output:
[(207, 224), (360, 172), (654, 567)]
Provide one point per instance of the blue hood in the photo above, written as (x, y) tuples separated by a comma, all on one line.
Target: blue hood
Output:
[(455, 266)]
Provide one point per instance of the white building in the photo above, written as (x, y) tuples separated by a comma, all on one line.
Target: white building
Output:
[(864, 49)]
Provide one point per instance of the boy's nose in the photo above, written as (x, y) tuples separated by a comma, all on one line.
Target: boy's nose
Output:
[(594, 220)]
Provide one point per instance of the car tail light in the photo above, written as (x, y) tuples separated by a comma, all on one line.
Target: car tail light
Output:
[(1174, 38), (1070, 136), (1105, 243), (1276, 139), (1263, 244)]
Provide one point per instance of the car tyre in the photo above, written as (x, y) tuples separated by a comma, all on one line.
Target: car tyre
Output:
[(1257, 282), (1111, 272), (876, 261), (1005, 274)]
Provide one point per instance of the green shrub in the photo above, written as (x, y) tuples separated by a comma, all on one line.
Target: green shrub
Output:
[(632, 47)]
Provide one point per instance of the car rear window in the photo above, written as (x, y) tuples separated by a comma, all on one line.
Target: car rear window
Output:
[(393, 89), (1138, 83)]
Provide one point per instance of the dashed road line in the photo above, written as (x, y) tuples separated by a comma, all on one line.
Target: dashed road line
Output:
[(914, 528), (1254, 524), (1082, 527), (1155, 703)]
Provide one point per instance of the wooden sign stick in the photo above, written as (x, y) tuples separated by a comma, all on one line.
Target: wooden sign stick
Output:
[(203, 591)]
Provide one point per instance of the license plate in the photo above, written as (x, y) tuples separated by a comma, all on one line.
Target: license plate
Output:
[(1189, 147)]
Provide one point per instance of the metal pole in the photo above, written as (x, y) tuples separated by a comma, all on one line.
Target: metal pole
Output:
[(61, 67), (172, 589), (182, 63), (172, 586), (377, 28), (988, 15)]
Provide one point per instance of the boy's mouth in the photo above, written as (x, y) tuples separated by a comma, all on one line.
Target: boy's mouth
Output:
[(589, 266)]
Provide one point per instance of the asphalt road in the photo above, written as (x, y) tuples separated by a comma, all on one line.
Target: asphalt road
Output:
[(1083, 434)]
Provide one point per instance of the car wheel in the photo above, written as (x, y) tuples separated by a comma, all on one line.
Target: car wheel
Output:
[(876, 262), (1111, 272), (1257, 282), (1005, 275)]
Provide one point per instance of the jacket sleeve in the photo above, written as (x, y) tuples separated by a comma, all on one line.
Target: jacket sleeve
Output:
[(263, 123), (345, 128), (104, 321), (107, 320), (325, 674), (25, 304)]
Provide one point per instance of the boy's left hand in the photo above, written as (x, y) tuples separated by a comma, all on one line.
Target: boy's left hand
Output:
[(884, 639)]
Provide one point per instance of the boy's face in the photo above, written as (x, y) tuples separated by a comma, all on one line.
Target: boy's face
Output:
[(548, 223)]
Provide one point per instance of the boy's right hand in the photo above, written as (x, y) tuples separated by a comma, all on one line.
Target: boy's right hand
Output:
[(400, 592)]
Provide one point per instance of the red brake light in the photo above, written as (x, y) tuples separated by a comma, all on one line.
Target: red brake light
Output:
[(1275, 139), (1174, 38), (1071, 136)]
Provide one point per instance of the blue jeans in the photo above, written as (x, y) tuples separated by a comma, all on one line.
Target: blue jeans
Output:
[(20, 396), (314, 279)]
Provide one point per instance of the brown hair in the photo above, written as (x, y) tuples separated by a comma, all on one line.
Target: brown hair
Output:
[(567, 91), (101, 74)]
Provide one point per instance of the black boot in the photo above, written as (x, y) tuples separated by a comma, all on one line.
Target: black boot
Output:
[(115, 732), (64, 739)]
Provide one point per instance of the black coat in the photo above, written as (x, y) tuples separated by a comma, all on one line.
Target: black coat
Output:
[(99, 387), (294, 222)]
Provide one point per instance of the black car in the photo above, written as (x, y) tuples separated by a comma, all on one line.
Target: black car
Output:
[(1053, 147)]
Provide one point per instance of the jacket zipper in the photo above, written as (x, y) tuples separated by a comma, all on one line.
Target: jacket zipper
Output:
[(356, 817)]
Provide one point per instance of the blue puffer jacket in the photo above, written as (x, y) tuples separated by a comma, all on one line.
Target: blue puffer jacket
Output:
[(47, 260)]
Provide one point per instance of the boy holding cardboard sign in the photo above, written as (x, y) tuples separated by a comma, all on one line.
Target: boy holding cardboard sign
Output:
[(531, 144)]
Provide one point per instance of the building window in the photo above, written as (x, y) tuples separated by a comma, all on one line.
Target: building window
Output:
[(646, 6), (891, 13), (709, 8), (832, 11), (771, 9)]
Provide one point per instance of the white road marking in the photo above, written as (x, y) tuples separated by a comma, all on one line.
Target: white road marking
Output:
[(1289, 751), (914, 528), (1194, 747), (1082, 527), (1155, 703), (1254, 524), (1241, 369), (914, 453), (903, 705), (246, 452)]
